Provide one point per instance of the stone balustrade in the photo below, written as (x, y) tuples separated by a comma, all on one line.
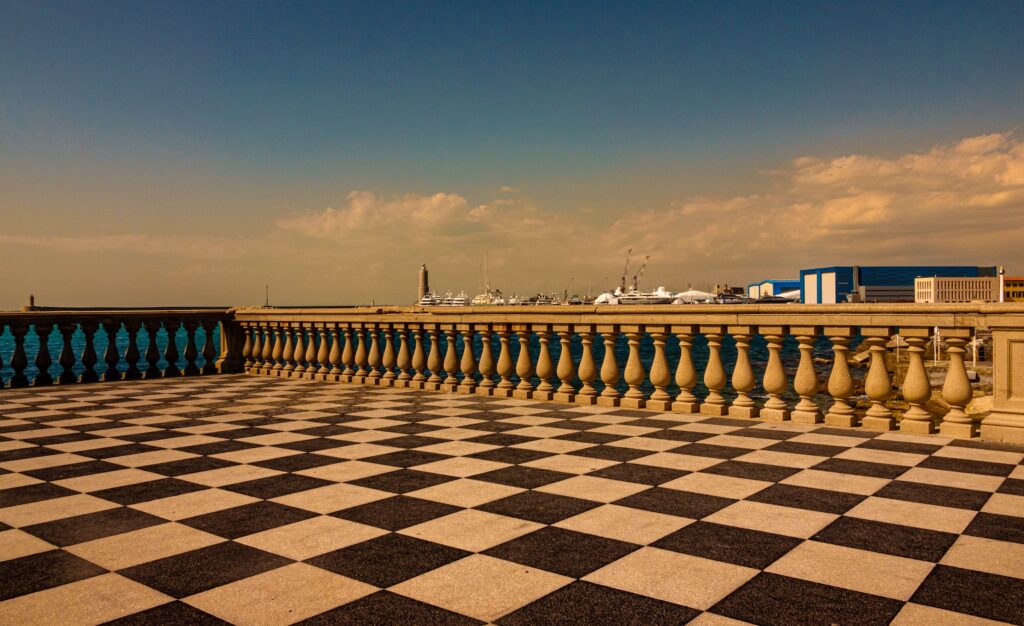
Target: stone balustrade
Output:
[(141, 345), (507, 351)]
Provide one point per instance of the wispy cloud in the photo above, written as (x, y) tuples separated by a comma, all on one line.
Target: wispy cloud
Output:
[(185, 246)]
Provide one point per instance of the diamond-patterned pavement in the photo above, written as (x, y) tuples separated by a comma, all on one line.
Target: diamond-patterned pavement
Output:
[(263, 501)]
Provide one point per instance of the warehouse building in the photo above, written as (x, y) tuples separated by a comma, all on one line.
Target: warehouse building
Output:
[(855, 283), (772, 287), (943, 290)]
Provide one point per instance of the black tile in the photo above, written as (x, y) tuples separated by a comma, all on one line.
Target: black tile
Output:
[(314, 445), (1012, 486), (586, 603), (26, 453), (986, 445), (711, 451), (779, 600), (58, 439), (934, 494), (277, 486), (589, 437), (629, 413), (511, 455), (964, 465), (412, 441), (1001, 527), (900, 446), (679, 435), (81, 528), (188, 466), (115, 451), (654, 423), (546, 508), (73, 470), (562, 551), (43, 571), (384, 608), (171, 613), (847, 432), (636, 473), (812, 449), (247, 519), (155, 435), (327, 430), (493, 427), (32, 493), (679, 503), (738, 546), (753, 471), (766, 433), (151, 490), (406, 458), (388, 560), (196, 571), (861, 468), (525, 477), (413, 429), (297, 462), (575, 425), (807, 498), (219, 447), (396, 513), (976, 593), (502, 439), (894, 539), (612, 453), (402, 481)]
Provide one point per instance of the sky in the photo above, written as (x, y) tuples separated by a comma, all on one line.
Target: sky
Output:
[(188, 153)]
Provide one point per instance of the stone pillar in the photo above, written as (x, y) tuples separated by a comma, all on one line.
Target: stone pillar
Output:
[(588, 368), (404, 360), (131, 352), (635, 374), (419, 360), (229, 359), (566, 368), (19, 361), (714, 374), (956, 390), (686, 374), (877, 384), (545, 368), (191, 352), (917, 389), (318, 355), (287, 353), (362, 354), (806, 383), (247, 348), (468, 364), (775, 408), (524, 366), (152, 355), (268, 350), (840, 383), (1006, 421), (434, 361), (299, 353), (451, 362), (348, 355), (660, 376), (43, 359), (373, 358), (89, 358), (743, 380), (209, 353), (505, 387), (609, 367), (279, 346), (487, 365), (389, 359), (257, 348), (334, 356), (67, 355)]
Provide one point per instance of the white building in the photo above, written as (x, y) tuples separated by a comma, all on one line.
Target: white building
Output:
[(939, 289)]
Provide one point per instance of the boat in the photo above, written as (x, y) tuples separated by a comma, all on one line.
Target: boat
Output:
[(489, 297)]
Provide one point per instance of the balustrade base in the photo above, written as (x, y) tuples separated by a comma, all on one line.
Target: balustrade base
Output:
[(563, 397), (632, 403), (607, 401), (546, 396), (584, 399), (429, 386), (499, 392), (450, 387), (775, 415), (840, 420), (806, 417), (522, 394), (869, 422), (658, 405), (717, 410), (748, 412), (484, 391), (957, 430), (917, 427), (682, 406), (465, 389), (1005, 427)]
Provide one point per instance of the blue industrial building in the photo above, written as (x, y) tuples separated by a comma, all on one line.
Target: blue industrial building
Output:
[(772, 287), (856, 283)]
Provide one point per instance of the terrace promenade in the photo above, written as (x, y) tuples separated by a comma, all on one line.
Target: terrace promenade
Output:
[(504, 465)]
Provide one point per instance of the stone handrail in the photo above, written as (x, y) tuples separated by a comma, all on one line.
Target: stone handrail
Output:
[(402, 346), (119, 364)]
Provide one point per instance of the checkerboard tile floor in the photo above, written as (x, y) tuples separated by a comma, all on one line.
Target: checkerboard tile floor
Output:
[(259, 501)]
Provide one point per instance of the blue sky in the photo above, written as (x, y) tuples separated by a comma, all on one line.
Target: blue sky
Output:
[(263, 108)]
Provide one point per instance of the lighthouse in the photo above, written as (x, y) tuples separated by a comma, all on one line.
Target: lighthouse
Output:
[(424, 287)]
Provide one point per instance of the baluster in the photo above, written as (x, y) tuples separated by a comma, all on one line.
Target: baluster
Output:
[(268, 350), (335, 354), (505, 386), (917, 389), (359, 335), (686, 374), (43, 358), (545, 368), (806, 383), (775, 408), (389, 358), (191, 353), (451, 363), (170, 352), (318, 363), (110, 354), (468, 364), (404, 359), (743, 380), (419, 360), (487, 364), (587, 370), (209, 352), (524, 367), (840, 383), (287, 353), (257, 349), (152, 354), (373, 358), (714, 374), (19, 361), (956, 390), (635, 374), (131, 355), (434, 361), (247, 348), (348, 356), (609, 368), (67, 355), (566, 368), (89, 358), (280, 343), (299, 352), (660, 400), (877, 384)]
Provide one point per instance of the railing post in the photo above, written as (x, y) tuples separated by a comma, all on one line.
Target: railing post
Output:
[(956, 390), (840, 383), (775, 383), (348, 355), (43, 359), (468, 364), (257, 348), (917, 389), (373, 359), (152, 354), (588, 368), (806, 383), (660, 400), (634, 374), (268, 350), (609, 367), (566, 368), (171, 350), (487, 365), (545, 368), (191, 353), (451, 362), (389, 359), (19, 361), (714, 374), (299, 352), (209, 352), (505, 387), (686, 374), (111, 357), (229, 360), (419, 359), (67, 354), (877, 384), (334, 356), (524, 365), (89, 358), (1006, 420), (318, 353), (359, 336), (248, 347), (404, 358), (743, 380), (288, 352), (434, 360)]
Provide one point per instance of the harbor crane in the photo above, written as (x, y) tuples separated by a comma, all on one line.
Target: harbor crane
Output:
[(640, 274), (625, 272)]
